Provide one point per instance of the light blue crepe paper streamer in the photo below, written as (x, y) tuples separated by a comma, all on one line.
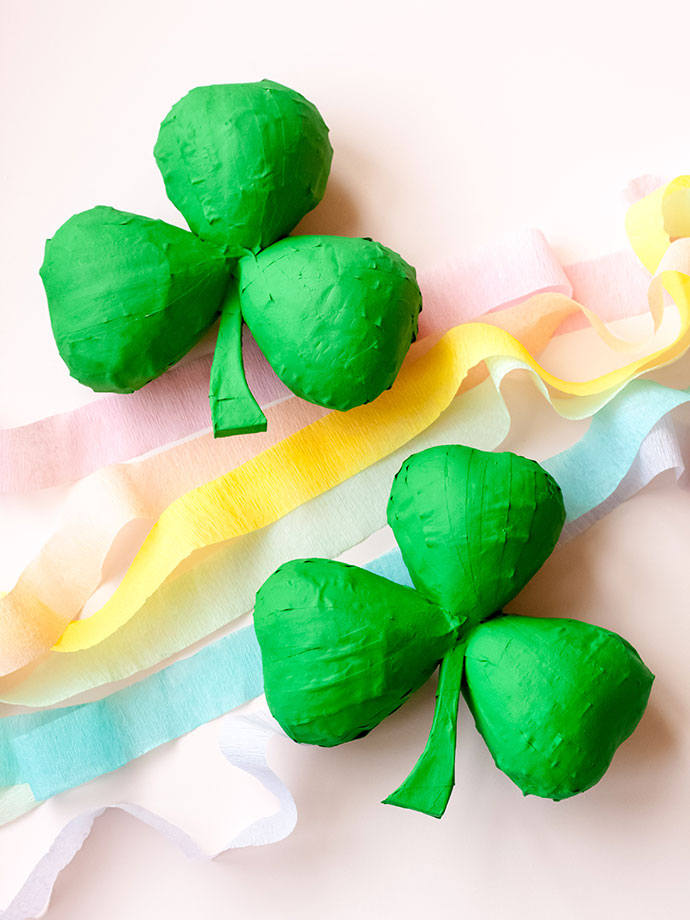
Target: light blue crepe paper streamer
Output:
[(590, 470), (62, 748), (58, 749)]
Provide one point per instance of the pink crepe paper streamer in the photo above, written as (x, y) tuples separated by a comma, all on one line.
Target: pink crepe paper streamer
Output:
[(613, 286), (496, 277), (641, 187), (70, 446), (67, 447)]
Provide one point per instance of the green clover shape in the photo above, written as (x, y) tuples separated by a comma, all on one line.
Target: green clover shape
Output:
[(129, 296), (343, 648)]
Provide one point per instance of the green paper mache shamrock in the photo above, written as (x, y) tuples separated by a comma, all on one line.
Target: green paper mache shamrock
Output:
[(343, 648), (129, 296)]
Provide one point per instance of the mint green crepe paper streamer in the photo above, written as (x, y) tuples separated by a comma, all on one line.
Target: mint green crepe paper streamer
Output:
[(607, 460), (128, 296), (243, 162), (218, 590), (222, 586)]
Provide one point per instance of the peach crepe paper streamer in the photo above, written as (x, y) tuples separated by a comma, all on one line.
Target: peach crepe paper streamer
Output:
[(69, 446), (142, 490), (339, 445), (160, 631), (481, 344)]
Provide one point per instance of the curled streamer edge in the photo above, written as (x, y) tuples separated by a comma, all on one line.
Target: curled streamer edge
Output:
[(243, 741)]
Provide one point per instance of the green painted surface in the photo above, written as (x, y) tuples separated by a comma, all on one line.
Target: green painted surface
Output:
[(343, 648), (429, 785), (334, 316), (233, 408), (243, 162), (128, 296), (473, 527), (553, 699)]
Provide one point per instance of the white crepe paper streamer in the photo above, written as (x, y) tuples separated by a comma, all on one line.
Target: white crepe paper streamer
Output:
[(243, 742), (244, 739)]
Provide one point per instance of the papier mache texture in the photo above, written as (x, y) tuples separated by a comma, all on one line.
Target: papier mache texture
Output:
[(129, 296), (553, 699), (243, 162), (343, 648), (334, 316), (473, 527)]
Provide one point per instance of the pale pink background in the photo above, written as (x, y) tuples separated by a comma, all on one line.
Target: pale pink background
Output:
[(451, 123)]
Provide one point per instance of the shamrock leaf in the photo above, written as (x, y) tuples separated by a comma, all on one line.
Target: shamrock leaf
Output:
[(129, 296), (473, 527), (243, 162), (334, 316), (342, 648), (553, 699)]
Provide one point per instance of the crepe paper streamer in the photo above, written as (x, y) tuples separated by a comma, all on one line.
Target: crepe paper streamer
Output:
[(509, 270), (243, 742), (243, 162), (143, 490), (128, 296), (71, 745), (189, 632), (221, 587), (641, 186), (150, 488), (84, 552), (159, 632), (304, 465), (468, 543), (609, 436), (628, 444), (342, 648), (658, 219), (72, 445), (613, 287), (354, 297), (553, 699), (665, 449), (609, 440)]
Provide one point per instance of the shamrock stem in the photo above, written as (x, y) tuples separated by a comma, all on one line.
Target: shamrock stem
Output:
[(429, 785), (233, 408)]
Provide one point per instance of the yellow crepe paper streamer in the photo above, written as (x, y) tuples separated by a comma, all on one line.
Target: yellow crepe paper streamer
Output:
[(656, 220), (104, 503), (336, 447), (174, 617), (37, 619)]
